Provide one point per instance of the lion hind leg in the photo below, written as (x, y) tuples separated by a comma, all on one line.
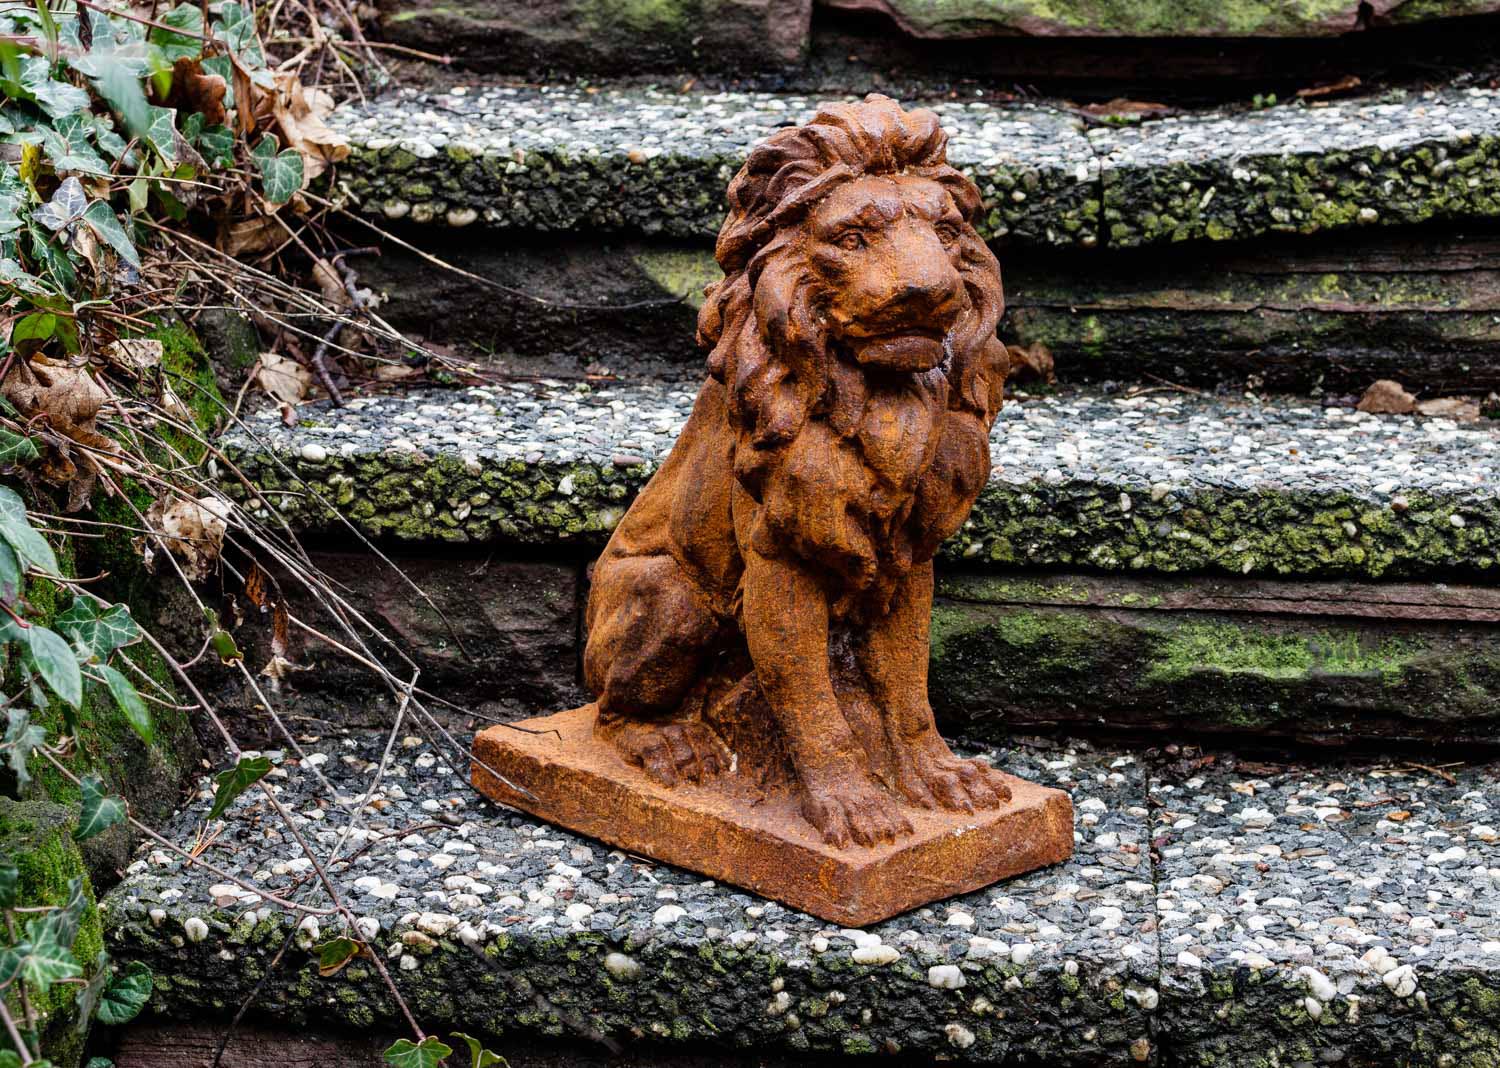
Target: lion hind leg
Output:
[(650, 630)]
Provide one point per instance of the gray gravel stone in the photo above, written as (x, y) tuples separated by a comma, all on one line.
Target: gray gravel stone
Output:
[(1372, 889), (1341, 915), (1156, 483), (492, 923), (658, 163)]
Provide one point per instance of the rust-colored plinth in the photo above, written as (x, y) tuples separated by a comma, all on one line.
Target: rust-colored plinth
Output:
[(732, 831)]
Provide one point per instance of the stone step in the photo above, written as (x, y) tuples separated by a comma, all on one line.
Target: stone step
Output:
[(1287, 315), (654, 162), (1163, 482), (1105, 49), (1216, 912), (1261, 662)]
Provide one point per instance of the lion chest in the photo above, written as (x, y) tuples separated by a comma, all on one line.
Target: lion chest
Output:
[(897, 434)]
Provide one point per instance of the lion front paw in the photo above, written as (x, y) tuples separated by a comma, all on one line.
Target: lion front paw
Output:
[(852, 808), (931, 776), (670, 752)]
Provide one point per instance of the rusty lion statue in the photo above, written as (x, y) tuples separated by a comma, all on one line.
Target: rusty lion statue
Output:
[(763, 607)]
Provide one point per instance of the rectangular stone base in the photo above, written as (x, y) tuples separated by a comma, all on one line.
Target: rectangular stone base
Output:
[(734, 832)]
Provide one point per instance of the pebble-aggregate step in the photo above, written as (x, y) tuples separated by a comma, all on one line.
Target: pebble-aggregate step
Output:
[(1159, 482), (658, 162), (1214, 913)]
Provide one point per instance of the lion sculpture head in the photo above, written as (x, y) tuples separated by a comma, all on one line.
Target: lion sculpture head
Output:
[(850, 253)]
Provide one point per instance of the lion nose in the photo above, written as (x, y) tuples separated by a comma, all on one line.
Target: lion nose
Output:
[(929, 294)]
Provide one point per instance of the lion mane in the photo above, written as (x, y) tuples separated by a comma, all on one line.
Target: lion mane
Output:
[(783, 379)]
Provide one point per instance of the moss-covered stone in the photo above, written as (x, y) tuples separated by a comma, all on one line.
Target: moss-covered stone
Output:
[(604, 36), (1281, 171), (1150, 18), (37, 837), (999, 663), (1287, 317)]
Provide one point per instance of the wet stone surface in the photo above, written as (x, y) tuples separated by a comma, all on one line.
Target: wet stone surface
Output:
[(1158, 483), (493, 923), (1371, 889), (1399, 159), (657, 163), (1344, 915)]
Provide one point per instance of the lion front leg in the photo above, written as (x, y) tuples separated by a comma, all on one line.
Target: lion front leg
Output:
[(892, 653), (786, 628)]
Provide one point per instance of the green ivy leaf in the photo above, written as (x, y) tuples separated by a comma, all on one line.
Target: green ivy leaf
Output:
[(86, 1000), (408, 1054), (10, 966), (101, 219), (99, 1062), (16, 529), (126, 995), (22, 738), (10, 574), (162, 132), (482, 1058), (62, 923), (99, 812), (121, 88), (217, 143), (97, 628), (9, 1059), (57, 98), (235, 781), (280, 172), (236, 28), (334, 954), (176, 46), (46, 960), (129, 700), (52, 260), (15, 449), (68, 146), (65, 207), (56, 662), (10, 879)]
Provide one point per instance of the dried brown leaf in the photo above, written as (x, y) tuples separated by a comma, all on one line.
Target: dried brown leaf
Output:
[(1386, 397), (255, 234), (287, 381), (1463, 409), (299, 114), (1033, 363), (194, 89), (330, 283), (63, 394), (134, 354), (192, 530)]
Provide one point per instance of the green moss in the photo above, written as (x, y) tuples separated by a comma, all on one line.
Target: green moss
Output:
[(37, 836), (1232, 650), (680, 272), (187, 370)]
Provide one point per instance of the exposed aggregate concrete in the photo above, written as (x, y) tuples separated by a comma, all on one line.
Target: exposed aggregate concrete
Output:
[(1341, 915), (493, 923), (658, 163), (1372, 890), (1162, 482), (1402, 159)]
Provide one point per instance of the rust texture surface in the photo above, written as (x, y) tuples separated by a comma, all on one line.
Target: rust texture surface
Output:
[(737, 833), (758, 623)]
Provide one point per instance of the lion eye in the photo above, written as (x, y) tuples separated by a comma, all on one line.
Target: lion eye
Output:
[(947, 233), (850, 241)]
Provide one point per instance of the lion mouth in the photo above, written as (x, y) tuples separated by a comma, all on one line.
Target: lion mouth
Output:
[(905, 350)]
